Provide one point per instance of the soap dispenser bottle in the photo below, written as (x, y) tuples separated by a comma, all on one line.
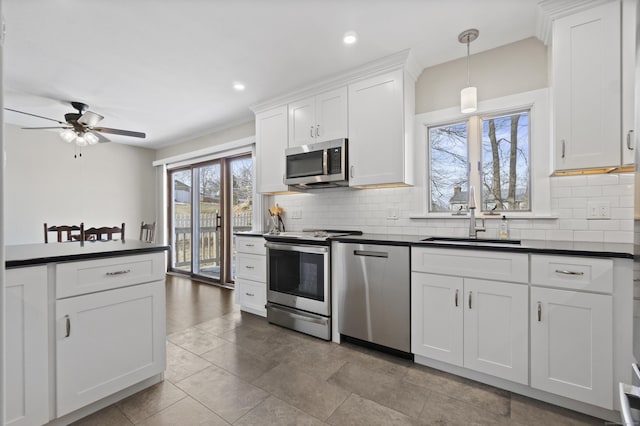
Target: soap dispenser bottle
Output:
[(503, 229)]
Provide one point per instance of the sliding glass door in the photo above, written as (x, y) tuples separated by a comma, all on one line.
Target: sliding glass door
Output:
[(203, 221)]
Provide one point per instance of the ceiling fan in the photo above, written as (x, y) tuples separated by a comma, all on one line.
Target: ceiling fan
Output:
[(80, 127)]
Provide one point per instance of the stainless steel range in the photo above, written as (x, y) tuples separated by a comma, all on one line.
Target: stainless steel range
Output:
[(299, 280)]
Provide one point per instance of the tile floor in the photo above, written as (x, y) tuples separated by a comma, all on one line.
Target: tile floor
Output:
[(228, 367)]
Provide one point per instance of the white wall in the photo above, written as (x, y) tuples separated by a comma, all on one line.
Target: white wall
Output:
[(108, 185)]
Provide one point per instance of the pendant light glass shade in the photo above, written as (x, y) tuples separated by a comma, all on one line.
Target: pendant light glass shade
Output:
[(468, 100)]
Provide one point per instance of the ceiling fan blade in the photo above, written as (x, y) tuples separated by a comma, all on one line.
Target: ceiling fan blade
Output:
[(101, 138), (42, 128), (119, 132), (35, 115), (90, 118)]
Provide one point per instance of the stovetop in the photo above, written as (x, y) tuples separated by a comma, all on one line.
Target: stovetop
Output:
[(312, 234)]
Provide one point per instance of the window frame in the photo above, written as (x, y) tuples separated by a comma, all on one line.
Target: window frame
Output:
[(537, 102)]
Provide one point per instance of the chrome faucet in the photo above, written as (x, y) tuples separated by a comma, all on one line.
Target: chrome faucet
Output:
[(473, 228)]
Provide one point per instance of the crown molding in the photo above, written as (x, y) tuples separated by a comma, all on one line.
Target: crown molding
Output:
[(550, 10), (403, 59)]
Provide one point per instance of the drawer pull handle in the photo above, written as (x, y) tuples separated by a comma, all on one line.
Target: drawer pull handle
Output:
[(122, 272), (250, 245), (539, 311), (469, 300), (249, 294), (249, 267), (68, 326), (456, 298), (565, 272)]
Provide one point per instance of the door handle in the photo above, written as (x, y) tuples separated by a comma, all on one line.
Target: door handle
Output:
[(456, 298), (318, 131), (562, 148), (370, 253), (68, 328), (539, 311), (311, 131), (351, 171), (469, 300), (629, 135)]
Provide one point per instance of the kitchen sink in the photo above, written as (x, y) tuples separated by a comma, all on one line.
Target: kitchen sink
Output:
[(471, 240)]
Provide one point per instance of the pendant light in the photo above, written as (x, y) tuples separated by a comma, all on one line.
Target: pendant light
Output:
[(468, 95)]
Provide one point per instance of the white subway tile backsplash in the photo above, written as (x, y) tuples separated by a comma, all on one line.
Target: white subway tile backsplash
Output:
[(367, 210)]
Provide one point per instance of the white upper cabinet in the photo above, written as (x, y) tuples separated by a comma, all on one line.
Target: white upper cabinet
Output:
[(586, 88), (318, 118), (380, 130), (271, 142), (629, 40)]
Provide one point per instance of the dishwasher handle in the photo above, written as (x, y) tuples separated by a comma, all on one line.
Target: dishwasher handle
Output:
[(369, 253)]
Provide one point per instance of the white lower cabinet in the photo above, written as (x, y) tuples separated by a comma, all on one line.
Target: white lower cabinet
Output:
[(108, 341), (477, 324), (26, 355), (571, 345), (251, 274)]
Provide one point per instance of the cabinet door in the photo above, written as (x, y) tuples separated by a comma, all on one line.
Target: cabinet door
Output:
[(108, 341), (496, 330), (302, 122), (436, 317), (331, 115), (571, 345), (586, 88), (376, 130), (271, 142), (27, 353), (629, 37)]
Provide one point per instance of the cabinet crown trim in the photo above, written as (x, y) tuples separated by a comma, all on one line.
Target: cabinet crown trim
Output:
[(403, 59), (550, 10)]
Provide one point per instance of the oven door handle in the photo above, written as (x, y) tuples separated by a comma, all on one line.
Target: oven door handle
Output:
[(298, 247), (306, 316)]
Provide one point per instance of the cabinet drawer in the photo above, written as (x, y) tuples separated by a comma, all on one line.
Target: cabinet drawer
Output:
[(89, 276), (251, 294), (572, 273), (492, 265), (252, 267), (251, 245)]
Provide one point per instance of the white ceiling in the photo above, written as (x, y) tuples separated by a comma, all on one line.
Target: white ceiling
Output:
[(166, 67)]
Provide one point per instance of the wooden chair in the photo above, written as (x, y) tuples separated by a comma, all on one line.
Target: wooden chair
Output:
[(96, 234), (68, 231), (147, 232)]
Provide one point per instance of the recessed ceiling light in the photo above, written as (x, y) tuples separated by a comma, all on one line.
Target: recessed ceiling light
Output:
[(350, 37), (238, 86)]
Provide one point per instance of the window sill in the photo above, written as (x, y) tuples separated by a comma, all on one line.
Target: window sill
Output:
[(509, 215)]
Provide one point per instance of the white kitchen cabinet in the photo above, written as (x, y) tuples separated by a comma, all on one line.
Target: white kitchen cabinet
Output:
[(586, 88), (380, 130), (318, 118), (108, 341), (27, 353), (251, 274), (571, 345), (629, 40), (271, 143), (473, 323)]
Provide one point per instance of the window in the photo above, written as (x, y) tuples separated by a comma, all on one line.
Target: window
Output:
[(494, 160)]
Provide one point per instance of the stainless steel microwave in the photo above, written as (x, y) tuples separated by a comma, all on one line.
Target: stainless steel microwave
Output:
[(318, 165)]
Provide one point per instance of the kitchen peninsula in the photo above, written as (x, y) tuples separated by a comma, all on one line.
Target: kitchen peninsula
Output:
[(85, 326)]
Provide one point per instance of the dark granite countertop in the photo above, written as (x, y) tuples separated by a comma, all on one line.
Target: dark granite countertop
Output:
[(36, 254), (569, 248), (249, 234)]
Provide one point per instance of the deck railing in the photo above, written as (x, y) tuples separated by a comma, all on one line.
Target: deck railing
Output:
[(208, 238)]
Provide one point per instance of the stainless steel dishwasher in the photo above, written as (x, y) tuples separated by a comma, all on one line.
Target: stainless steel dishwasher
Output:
[(373, 284)]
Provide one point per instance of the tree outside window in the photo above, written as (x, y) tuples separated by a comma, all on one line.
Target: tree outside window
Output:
[(503, 164)]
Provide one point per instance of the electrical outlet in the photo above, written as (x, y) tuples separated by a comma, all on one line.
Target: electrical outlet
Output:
[(598, 210), (393, 214)]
